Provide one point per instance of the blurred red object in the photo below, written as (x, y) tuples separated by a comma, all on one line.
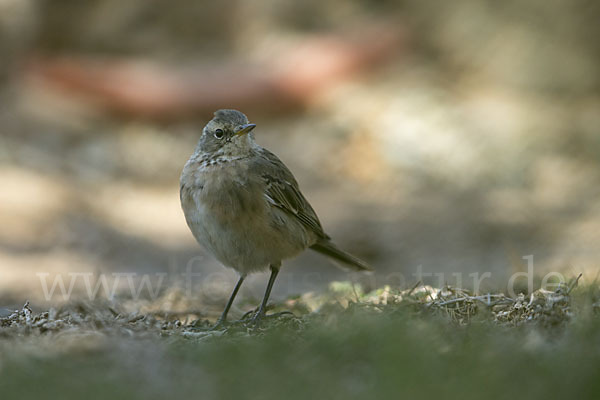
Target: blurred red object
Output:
[(152, 90)]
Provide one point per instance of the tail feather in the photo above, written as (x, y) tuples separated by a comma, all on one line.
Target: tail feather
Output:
[(331, 250)]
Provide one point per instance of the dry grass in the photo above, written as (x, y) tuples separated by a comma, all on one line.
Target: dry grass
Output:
[(542, 307), (344, 344)]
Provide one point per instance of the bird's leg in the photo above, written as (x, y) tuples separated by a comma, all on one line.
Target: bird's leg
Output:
[(263, 306), (223, 318)]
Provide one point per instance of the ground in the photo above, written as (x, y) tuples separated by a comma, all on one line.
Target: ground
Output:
[(417, 343)]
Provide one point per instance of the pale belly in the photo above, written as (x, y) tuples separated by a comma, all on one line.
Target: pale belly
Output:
[(242, 231), (247, 247)]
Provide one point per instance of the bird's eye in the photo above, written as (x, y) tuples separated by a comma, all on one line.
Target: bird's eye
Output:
[(219, 134)]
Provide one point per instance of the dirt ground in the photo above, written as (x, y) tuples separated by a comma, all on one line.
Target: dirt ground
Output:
[(343, 343), (473, 145)]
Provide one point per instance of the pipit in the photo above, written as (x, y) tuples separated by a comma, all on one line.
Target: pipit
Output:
[(244, 206)]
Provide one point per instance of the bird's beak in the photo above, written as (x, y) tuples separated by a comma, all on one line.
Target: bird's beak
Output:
[(243, 129)]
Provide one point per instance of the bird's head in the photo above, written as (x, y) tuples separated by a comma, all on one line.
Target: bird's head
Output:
[(228, 133)]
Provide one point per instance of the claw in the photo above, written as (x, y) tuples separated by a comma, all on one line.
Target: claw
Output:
[(247, 315), (259, 316), (220, 325), (255, 321), (279, 314)]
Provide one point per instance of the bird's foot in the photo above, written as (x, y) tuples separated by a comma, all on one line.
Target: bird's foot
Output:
[(280, 314), (204, 325), (247, 315), (261, 315), (256, 320), (220, 325)]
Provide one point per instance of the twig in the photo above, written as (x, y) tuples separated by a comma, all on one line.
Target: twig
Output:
[(413, 288), (574, 284)]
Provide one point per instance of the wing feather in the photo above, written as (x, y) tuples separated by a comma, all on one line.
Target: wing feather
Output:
[(282, 191)]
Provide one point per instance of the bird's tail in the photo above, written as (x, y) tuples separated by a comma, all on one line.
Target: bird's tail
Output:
[(331, 250)]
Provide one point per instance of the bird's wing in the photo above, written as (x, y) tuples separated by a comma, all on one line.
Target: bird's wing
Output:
[(282, 191)]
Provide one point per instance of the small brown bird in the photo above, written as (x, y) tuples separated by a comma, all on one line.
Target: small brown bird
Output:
[(245, 207)]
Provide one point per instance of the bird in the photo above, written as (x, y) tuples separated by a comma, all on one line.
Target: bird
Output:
[(244, 206)]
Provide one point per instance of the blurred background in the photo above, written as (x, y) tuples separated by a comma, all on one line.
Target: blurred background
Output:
[(456, 136)]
